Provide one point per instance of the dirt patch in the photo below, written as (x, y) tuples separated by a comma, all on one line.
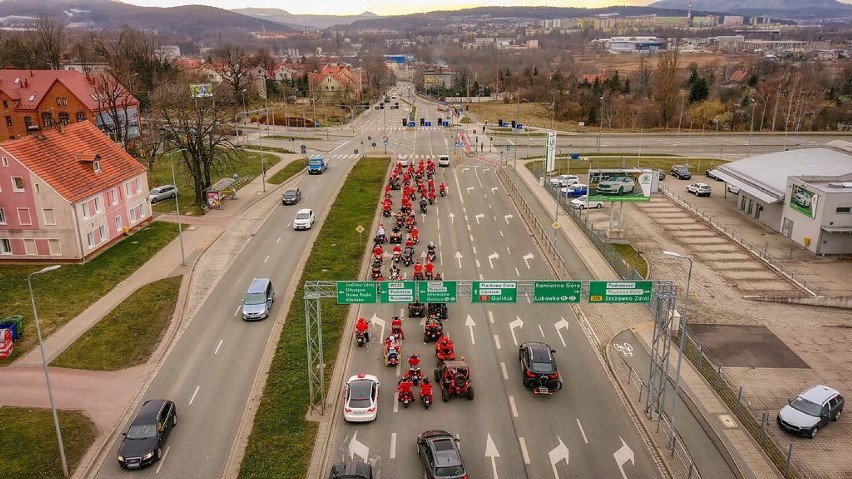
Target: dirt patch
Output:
[(746, 346)]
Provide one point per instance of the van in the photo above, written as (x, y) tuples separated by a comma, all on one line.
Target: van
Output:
[(258, 301)]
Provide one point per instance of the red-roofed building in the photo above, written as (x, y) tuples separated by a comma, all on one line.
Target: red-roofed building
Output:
[(66, 193), (32, 100), (337, 83)]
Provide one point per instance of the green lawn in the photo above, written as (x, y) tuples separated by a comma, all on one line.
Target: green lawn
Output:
[(128, 334), (289, 171), (64, 293), (28, 441), (663, 162), (633, 258), (281, 439)]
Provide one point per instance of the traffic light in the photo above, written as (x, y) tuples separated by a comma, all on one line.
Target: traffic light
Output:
[(513, 124), (381, 106), (500, 123)]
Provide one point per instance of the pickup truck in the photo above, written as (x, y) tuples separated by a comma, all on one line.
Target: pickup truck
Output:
[(317, 165)]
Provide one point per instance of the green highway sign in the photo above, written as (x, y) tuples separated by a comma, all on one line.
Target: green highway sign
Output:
[(494, 292), (620, 291), (356, 292), (436, 291), (557, 291), (397, 291)]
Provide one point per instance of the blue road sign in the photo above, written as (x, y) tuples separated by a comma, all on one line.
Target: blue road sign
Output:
[(428, 123), (411, 124), (508, 147), (519, 126)]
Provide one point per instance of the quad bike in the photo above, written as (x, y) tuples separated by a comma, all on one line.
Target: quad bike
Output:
[(416, 310), (439, 310), (433, 329), (454, 380)]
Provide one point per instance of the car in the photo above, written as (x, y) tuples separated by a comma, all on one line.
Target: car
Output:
[(616, 185), (143, 442), (733, 189), (258, 300), (699, 189), (161, 193), (584, 202), (361, 398), (351, 470), (709, 174), (802, 198), (291, 196), (681, 172), (661, 175), (304, 219), (443, 160), (402, 161), (564, 180), (538, 367), (574, 191), (440, 455), (811, 410)]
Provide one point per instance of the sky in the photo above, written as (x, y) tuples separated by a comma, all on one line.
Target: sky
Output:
[(380, 7)]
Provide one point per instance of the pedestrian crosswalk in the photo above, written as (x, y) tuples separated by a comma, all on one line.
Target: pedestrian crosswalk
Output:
[(410, 157)]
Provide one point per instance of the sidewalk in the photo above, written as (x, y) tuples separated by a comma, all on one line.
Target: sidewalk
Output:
[(701, 411)]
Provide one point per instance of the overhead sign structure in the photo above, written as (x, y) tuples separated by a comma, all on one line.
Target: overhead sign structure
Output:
[(437, 291), (494, 292), (557, 291), (620, 291), (397, 291), (356, 292)]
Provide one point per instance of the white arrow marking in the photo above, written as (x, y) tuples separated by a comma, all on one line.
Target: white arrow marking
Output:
[(452, 218), (517, 323), (492, 257), (622, 455), (465, 169), (559, 325), (486, 169), (557, 454), (423, 255), (491, 452), (527, 258), (381, 322), (458, 256), (356, 448), (493, 189), (507, 218), (470, 324), (469, 189), (480, 215)]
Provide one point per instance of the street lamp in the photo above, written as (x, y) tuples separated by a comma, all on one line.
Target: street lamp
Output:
[(44, 364), (682, 326), (751, 129), (600, 121), (177, 206), (351, 115)]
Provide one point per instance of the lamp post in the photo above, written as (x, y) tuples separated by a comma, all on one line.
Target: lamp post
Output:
[(351, 115), (245, 114), (177, 206), (682, 326), (600, 126), (751, 129), (44, 364)]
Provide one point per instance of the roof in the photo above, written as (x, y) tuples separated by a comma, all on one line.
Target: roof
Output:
[(28, 87), (63, 159), (765, 176)]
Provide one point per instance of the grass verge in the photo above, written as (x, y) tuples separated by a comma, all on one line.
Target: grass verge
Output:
[(565, 166), (281, 439), (276, 149), (63, 294), (289, 171), (128, 334), (28, 441), (633, 258)]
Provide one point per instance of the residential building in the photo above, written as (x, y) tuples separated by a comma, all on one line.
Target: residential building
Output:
[(337, 83), (438, 77), (66, 193)]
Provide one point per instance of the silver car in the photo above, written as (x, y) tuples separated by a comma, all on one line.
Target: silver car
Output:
[(616, 185), (161, 193)]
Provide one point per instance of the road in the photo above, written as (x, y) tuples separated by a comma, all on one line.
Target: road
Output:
[(505, 431)]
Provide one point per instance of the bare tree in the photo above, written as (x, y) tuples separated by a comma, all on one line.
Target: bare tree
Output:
[(644, 78), (667, 86), (50, 40), (234, 63), (118, 104)]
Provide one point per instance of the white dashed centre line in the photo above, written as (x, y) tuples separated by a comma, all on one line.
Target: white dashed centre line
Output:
[(512, 406), (505, 373), (508, 251), (541, 330), (581, 431), (194, 394), (238, 310), (524, 453), (278, 240), (497, 342), (396, 402), (218, 346), (393, 446), (266, 259), (474, 250), (490, 317)]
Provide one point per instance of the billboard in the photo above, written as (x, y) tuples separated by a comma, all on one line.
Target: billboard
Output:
[(620, 184), (201, 90), (550, 152), (803, 200)]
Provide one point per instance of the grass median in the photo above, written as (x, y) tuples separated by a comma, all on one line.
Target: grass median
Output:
[(63, 294), (281, 439), (128, 334), (28, 441), (289, 171)]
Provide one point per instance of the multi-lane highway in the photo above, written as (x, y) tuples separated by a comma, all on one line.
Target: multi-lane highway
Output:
[(505, 431)]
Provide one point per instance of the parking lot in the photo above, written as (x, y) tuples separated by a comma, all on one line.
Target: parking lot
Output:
[(810, 342)]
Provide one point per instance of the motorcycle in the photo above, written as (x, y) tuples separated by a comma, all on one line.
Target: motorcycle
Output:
[(408, 256), (443, 192), (397, 257), (414, 374), (360, 338), (406, 398), (381, 238), (376, 272), (425, 392), (423, 207), (386, 212), (430, 255), (429, 276), (418, 276)]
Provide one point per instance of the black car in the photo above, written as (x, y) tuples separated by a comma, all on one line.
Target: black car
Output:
[(709, 174), (539, 368), (143, 441), (291, 196), (351, 470), (681, 172), (440, 455)]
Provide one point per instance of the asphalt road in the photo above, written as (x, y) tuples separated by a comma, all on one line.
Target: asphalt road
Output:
[(210, 371), (505, 431)]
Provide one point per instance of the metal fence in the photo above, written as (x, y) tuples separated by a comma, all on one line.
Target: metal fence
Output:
[(730, 232)]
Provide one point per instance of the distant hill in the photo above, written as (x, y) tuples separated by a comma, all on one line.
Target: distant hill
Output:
[(97, 14), (786, 8), (301, 21)]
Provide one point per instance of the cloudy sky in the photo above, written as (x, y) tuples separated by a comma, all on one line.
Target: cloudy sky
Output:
[(381, 7)]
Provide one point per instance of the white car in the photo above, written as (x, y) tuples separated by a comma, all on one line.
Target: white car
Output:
[(402, 161), (811, 410), (304, 219), (161, 193), (443, 160), (734, 189), (616, 185), (564, 180), (361, 398), (584, 202), (699, 189), (802, 198)]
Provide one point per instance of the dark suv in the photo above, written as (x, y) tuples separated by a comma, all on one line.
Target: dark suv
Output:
[(291, 196), (681, 172), (440, 455), (143, 441), (539, 368)]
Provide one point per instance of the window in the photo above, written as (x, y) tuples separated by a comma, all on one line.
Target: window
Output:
[(81, 116), (49, 216), (102, 232), (8, 120), (127, 189), (2, 216), (24, 218), (5, 104), (47, 119), (5, 161), (30, 247), (58, 101), (28, 121), (96, 165), (55, 247), (64, 101), (5, 246), (90, 240), (119, 226), (64, 118), (113, 196), (85, 206), (843, 210), (17, 184), (98, 206)]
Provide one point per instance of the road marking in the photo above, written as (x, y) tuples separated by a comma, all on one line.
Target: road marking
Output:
[(507, 218), (458, 256), (289, 224), (439, 239), (541, 330), (495, 218), (492, 257), (497, 341), (512, 406), (480, 215), (357, 448), (470, 324), (527, 257), (398, 365), (266, 259), (278, 241), (501, 233), (517, 272), (626, 349), (492, 453), (517, 323), (439, 222), (468, 227), (480, 274), (162, 459), (474, 250), (238, 309), (471, 238), (559, 325), (622, 455), (505, 373), (477, 263), (508, 251), (558, 454), (393, 446), (582, 431), (218, 346), (194, 394), (396, 401), (524, 453), (490, 317)]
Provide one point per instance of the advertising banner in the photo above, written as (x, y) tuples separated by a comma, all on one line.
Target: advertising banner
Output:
[(803, 200), (201, 90), (213, 200), (616, 184), (550, 152)]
